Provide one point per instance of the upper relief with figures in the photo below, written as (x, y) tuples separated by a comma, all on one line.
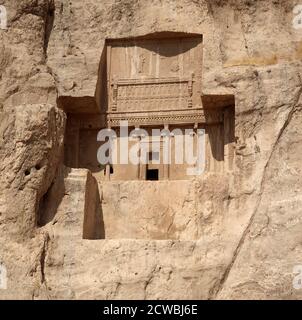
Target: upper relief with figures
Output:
[(154, 74)]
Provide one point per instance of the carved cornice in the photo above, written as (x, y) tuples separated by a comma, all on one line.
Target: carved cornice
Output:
[(161, 118)]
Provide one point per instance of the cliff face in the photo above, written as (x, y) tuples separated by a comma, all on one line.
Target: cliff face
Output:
[(248, 237)]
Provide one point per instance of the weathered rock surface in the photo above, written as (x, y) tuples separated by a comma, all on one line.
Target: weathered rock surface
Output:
[(249, 235), (194, 210)]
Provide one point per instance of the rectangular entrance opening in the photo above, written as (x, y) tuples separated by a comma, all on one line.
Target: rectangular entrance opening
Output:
[(152, 175)]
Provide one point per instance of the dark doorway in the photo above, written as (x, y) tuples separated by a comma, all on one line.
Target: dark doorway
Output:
[(111, 170), (152, 174)]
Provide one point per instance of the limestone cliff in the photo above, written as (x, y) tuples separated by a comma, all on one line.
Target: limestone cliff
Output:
[(234, 236)]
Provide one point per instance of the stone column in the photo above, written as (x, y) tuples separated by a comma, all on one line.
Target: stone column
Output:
[(166, 166), (201, 153), (107, 177), (142, 166), (138, 175)]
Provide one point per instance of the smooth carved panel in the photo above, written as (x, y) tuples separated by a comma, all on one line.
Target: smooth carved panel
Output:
[(160, 58), (154, 75)]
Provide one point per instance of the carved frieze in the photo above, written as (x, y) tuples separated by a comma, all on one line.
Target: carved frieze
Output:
[(151, 95), (171, 117)]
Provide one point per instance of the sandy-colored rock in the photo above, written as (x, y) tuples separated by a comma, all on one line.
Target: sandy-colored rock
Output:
[(235, 234)]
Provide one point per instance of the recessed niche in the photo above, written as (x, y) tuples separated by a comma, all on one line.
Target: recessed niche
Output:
[(153, 82)]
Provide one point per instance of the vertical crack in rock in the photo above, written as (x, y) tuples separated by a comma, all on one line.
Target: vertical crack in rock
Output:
[(39, 263), (43, 257), (49, 22), (216, 289), (149, 280)]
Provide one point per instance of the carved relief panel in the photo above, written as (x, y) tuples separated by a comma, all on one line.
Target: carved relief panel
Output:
[(146, 75)]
